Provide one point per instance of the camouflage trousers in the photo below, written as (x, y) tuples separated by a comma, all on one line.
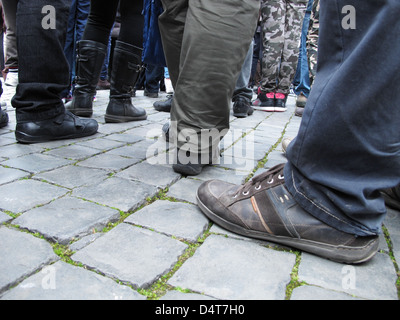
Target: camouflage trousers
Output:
[(281, 25), (312, 40)]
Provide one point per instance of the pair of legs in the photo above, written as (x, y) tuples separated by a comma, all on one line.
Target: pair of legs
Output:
[(346, 151), (205, 43), (44, 74), (281, 32), (126, 64)]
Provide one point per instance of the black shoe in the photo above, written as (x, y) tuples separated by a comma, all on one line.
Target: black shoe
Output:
[(264, 209), (150, 94), (280, 102), (3, 118), (64, 126), (264, 101), (242, 108), (165, 105), (190, 165), (299, 111), (165, 131), (392, 197)]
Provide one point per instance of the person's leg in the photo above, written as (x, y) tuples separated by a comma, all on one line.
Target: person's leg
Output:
[(312, 41), (10, 43), (154, 74), (209, 33), (81, 16), (340, 160), (294, 15), (126, 65), (301, 80), (69, 47), (172, 25), (40, 112), (91, 52), (273, 32), (326, 200), (242, 95), (3, 114)]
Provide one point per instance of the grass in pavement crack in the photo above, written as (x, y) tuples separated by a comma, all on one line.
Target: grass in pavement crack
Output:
[(392, 257), (161, 287)]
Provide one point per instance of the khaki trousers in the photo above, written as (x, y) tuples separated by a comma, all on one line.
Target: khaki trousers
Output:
[(205, 44)]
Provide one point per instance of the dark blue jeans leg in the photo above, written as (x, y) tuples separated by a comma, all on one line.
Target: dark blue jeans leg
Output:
[(43, 68), (347, 148), (154, 74), (302, 77)]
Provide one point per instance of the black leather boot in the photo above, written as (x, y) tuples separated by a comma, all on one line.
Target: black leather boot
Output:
[(3, 118), (90, 59), (126, 67)]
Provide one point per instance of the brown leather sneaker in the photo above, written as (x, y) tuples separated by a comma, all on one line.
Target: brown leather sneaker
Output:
[(264, 209)]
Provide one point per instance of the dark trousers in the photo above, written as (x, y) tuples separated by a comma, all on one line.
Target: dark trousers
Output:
[(43, 68), (348, 146), (102, 17)]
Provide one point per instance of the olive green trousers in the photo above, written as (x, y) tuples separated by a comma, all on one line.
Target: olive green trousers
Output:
[(205, 43)]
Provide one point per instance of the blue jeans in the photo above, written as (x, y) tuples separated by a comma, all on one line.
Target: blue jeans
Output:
[(79, 12), (302, 77), (242, 84), (154, 74), (347, 148)]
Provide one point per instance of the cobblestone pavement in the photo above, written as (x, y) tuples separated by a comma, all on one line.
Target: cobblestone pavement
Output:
[(105, 217)]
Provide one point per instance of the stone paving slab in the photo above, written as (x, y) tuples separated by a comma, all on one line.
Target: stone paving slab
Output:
[(316, 293), (22, 195), (35, 163), (9, 175), (4, 218), (180, 188), (118, 193), (375, 279), (226, 268), (181, 220), (62, 281), (73, 152), (132, 255), (392, 223), (67, 219), (21, 254), (159, 176), (72, 176)]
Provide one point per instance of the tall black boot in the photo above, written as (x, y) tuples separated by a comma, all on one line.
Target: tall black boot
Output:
[(90, 59), (127, 63)]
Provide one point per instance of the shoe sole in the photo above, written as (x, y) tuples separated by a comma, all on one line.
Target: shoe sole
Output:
[(162, 109), (119, 119), (269, 109), (187, 170), (28, 139), (341, 254)]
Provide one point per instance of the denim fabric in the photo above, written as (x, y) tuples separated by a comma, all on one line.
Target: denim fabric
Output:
[(348, 145), (302, 77), (242, 84), (43, 68), (154, 74), (79, 12)]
